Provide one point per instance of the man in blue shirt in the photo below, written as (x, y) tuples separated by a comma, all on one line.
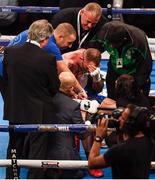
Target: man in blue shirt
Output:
[(63, 37)]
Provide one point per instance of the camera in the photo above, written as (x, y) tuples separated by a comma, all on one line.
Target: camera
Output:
[(140, 118), (112, 119)]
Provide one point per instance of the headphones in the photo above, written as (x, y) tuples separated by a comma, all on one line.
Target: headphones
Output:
[(137, 120)]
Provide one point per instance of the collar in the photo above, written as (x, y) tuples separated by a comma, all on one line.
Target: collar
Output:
[(53, 38), (33, 42)]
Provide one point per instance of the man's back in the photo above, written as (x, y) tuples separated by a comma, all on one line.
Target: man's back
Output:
[(131, 159), (32, 82), (65, 111)]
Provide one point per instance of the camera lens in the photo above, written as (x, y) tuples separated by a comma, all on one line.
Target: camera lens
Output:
[(113, 123), (117, 112)]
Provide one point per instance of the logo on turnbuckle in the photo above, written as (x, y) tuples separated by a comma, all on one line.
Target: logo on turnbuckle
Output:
[(49, 164)]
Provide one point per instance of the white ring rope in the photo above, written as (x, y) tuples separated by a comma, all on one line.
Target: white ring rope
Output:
[(56, 164)]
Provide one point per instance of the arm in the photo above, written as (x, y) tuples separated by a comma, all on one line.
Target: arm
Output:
[(19, 39), (95, 79), (52, 74), (52, 48), (70, 59), (4, 78), (143, 67), (62, 67), (95, 159)]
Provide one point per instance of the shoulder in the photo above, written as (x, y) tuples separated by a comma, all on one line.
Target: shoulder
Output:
[(66, 15), (68, 11), (14, 48), (52, 48), (66, 101), (77, 54), (49, 57), (139, 37), (19, 39)]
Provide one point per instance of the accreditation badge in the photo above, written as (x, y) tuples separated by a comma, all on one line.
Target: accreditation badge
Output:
[(119, 63)]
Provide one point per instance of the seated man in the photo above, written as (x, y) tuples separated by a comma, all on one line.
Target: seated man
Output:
[(61, 145), (85, 65)]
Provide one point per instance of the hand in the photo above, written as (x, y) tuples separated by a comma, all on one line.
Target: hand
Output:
[(96, 75), (73, 94), (82, 95), (89, 106), (91, 68), (101, 130)]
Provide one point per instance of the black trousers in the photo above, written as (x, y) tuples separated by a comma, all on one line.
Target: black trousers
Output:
[(16, 141)]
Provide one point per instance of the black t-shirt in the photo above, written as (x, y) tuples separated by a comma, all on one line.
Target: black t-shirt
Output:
[(70, 15), (130, 159), (140, 100)]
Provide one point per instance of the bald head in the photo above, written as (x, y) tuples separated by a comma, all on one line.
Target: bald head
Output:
[(68, 82), (90, 15)]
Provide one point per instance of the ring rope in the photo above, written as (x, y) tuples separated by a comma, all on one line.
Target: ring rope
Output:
[(38, 9), (4, 41), (48, 128), (29, 9), (55, 164)]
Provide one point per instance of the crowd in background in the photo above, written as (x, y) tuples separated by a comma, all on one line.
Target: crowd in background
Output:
[(22, 21)]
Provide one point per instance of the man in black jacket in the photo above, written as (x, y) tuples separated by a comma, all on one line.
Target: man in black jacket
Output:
[(59, 145), (86, 22), (129, 54), (31, 80)]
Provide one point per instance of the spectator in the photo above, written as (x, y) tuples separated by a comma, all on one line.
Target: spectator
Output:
[(30, 84), (129, 54), (27, 18), (86, 22), (130, 159), (8, 20)]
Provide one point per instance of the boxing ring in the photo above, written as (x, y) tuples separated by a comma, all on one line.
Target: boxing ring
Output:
[(58, 164)]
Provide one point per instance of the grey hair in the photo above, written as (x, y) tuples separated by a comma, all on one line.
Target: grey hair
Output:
[(40, 30)]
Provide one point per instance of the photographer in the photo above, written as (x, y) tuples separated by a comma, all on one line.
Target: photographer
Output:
[(131, 158)]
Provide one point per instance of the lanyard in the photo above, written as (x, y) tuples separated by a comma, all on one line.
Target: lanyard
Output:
[(78, 28)]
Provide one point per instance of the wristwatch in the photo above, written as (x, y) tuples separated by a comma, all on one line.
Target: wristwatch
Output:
[(98, 139)]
